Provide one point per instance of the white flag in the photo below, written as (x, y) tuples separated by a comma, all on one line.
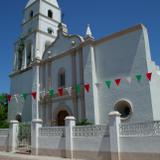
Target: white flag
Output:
[(128, 79), (15, 96), (69, 90)]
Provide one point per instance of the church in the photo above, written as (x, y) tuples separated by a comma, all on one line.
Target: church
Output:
[(56, 74)]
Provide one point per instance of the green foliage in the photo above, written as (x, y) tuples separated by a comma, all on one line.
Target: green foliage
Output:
[(24, 129), (3, 111), (83, 122)]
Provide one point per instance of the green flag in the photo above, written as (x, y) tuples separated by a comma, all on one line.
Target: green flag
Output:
[(51, 92), (78, 88), (139, 77), (24, 95), (108, 84)]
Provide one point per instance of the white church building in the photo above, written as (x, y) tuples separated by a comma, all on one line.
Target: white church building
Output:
[(50, 64)]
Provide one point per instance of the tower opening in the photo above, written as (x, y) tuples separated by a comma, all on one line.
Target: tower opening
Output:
[(50, 14)]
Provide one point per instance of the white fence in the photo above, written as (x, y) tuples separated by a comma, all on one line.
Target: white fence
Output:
[(4, 137), (140, 129), (91, 141), (115, 141), (52, 131)]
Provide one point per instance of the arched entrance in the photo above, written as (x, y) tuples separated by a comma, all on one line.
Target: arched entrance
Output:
[(61, 117)]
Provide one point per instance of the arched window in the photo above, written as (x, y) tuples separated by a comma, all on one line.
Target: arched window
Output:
[(61, 78), (50, 14), (50, 30), (20, 60), (29, 53), (31, 14)]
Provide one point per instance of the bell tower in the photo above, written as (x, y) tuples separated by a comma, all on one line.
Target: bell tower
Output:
[(39, 30)]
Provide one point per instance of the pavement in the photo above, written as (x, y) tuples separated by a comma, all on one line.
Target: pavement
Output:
[(13, 156)]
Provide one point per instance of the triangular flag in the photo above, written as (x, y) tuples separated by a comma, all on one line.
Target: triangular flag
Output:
[(149, 76), (118, 81), (69, 90), (34, 95), (108, 83), (78, 88), (9, 97), (139, 77), (51, 92), (128, 79), (16, 95), (42, 93), (87, 87), (24, 95), (60, 91)]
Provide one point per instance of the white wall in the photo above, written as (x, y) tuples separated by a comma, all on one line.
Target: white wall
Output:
[(121, 57), (20, 84)]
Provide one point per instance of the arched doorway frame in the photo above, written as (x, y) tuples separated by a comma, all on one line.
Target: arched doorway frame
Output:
[(61, 107)]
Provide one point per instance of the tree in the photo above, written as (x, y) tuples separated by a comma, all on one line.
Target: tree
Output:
[(3, 111)]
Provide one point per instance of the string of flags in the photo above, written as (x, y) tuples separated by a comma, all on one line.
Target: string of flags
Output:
[(138, 77), (77, 88), (50, 92)]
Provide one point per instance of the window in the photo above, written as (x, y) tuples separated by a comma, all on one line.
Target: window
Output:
[(61, 78), (31, 14), (50, 14), (29, 53), (19, 60), (50, 31), (124, 108)]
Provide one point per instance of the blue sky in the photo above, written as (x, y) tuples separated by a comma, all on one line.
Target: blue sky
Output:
[(104, 16)]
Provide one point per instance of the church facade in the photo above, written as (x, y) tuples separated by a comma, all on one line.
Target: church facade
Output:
[(49, 62)]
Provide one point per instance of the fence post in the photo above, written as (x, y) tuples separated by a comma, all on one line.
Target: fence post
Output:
[(13, 135), (36, 124), (69, 124), (114, 122)]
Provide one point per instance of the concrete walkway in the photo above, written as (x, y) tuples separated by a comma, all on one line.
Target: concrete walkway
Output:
[(12, 156)]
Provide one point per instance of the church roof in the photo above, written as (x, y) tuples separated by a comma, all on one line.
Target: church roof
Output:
[(53, 2)]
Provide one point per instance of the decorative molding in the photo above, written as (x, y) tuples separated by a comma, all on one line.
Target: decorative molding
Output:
[(91, 131), (140, 129), (52, 131), (4, 132)]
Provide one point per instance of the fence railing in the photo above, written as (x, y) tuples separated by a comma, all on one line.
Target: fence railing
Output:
[(4, 132), (140, 129), (92, 130), (52, 131)]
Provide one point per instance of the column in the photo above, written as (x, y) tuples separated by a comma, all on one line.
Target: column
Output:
[(114, 122), (35, 88), (13, 135), (36, 124), (69, 124)]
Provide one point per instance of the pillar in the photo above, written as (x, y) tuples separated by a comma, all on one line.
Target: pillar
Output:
[(69, 124), (114, 122), (36, 124), (13, 135)]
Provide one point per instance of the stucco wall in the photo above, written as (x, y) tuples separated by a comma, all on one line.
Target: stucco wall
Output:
[(121, 57), (20, 84), (140, 148)]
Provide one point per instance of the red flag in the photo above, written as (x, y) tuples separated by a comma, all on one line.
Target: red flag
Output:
[(34, 95), (149, 76), (118, 81), (60, 91), (87, 87), (9, 98)]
